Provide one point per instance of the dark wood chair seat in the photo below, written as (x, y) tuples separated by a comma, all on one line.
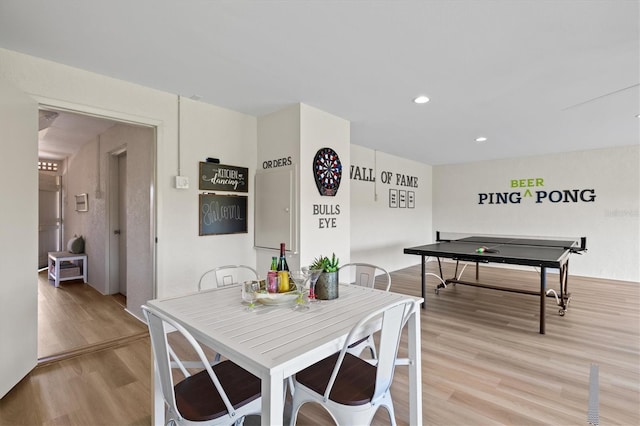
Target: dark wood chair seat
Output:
[(354, 384), (349, 387), (198, 400)]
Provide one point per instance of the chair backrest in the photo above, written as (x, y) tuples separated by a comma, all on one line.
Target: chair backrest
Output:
[(394, 316), (163, 354), (364, 274), (226, 275)]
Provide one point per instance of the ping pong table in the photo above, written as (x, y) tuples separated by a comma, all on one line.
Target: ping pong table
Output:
[(523, 251)]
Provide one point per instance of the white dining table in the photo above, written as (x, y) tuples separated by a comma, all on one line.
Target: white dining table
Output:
[(275, 342)]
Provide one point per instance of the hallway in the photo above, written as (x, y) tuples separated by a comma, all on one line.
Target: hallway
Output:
[(75, 318)]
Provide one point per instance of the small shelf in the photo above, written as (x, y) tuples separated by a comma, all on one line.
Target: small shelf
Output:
[(64, 266)]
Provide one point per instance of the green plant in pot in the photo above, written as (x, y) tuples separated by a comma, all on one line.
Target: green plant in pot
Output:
[(327, 284)]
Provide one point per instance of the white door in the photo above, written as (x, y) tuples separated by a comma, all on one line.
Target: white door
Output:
[(19, 234), (48, 217)]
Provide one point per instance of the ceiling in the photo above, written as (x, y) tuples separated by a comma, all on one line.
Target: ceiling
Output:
[(533, 77), (62, 133)]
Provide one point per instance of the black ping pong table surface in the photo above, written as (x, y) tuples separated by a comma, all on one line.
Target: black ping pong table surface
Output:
[(541, 253)]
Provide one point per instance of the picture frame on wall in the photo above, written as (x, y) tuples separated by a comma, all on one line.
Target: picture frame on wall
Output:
[(223, 177), (393, 198), (82, 203)]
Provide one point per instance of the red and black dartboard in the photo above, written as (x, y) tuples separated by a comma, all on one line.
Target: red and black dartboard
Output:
[(327, 171)]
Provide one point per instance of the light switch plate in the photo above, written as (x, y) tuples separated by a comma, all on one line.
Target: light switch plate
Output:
[(182, 182)]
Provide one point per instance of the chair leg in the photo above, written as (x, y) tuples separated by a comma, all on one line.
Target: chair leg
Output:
[(387, 403)]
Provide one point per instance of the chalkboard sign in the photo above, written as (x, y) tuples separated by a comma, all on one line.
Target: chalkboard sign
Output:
[(221, 177), (223, 214)]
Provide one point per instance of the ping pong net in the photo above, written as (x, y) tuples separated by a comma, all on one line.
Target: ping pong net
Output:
[(492, 243)]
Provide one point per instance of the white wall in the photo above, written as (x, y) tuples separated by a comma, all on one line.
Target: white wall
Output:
[(610, 223), (206, 131), (279, 151), (19, 236), (379, 232), (290, 138), (88, 172)]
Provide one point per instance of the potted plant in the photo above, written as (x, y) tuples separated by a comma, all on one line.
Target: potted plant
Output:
[(327, 285)]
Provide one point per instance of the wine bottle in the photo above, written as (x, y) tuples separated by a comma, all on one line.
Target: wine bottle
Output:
[(283, 270)]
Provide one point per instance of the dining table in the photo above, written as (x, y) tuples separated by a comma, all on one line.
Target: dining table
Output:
[(273, 341)]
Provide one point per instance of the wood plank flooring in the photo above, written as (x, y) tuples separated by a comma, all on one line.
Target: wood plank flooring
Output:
[(75, 317), (483, 362)]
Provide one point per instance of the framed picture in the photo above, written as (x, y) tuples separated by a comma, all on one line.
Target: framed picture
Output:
[(402, 199), (222, 214), (82, 203), (221, 177), (393, 198)]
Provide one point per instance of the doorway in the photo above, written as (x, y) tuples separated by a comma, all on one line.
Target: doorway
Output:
[(96, 164)]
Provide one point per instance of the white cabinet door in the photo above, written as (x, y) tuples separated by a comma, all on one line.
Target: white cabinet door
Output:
[(19, 234), (275, 218)]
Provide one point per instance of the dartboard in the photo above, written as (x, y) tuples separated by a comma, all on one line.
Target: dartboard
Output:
[(327, 171)]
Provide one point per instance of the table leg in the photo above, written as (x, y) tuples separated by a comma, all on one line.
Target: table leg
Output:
[(415, 370), (543, 296), (272, 401)]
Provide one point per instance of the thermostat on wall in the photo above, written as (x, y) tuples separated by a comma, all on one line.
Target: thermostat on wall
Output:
[(182, 182)]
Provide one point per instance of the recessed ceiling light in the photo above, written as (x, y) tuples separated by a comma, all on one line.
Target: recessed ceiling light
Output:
[(481, 139), (637, 115), (421, 99)]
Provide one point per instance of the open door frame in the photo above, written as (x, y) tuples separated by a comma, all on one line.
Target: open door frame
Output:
[(18, 225)]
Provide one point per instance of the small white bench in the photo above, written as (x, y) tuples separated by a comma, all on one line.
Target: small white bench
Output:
[(57, 257)]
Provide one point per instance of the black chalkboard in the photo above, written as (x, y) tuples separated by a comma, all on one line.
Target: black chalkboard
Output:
[(223, 214)]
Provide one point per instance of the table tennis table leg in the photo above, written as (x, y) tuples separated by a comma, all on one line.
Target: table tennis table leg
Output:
[(565, 297), (543, 296), (424, 283)]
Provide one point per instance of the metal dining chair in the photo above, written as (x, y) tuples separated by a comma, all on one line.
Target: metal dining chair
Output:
[(366, 275), (221, 394), (223, 276), (226, 275), (350, 388)]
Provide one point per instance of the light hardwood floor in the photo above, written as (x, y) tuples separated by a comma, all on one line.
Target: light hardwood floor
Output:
[(75, 317), (483, 363)]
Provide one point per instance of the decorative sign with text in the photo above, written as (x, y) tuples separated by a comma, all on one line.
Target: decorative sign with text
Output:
[(327, 215), (535, 190), (398, 198), (221, 177)]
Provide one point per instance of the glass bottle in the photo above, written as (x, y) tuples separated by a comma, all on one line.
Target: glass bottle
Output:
[(283, 270), (272, 276)]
